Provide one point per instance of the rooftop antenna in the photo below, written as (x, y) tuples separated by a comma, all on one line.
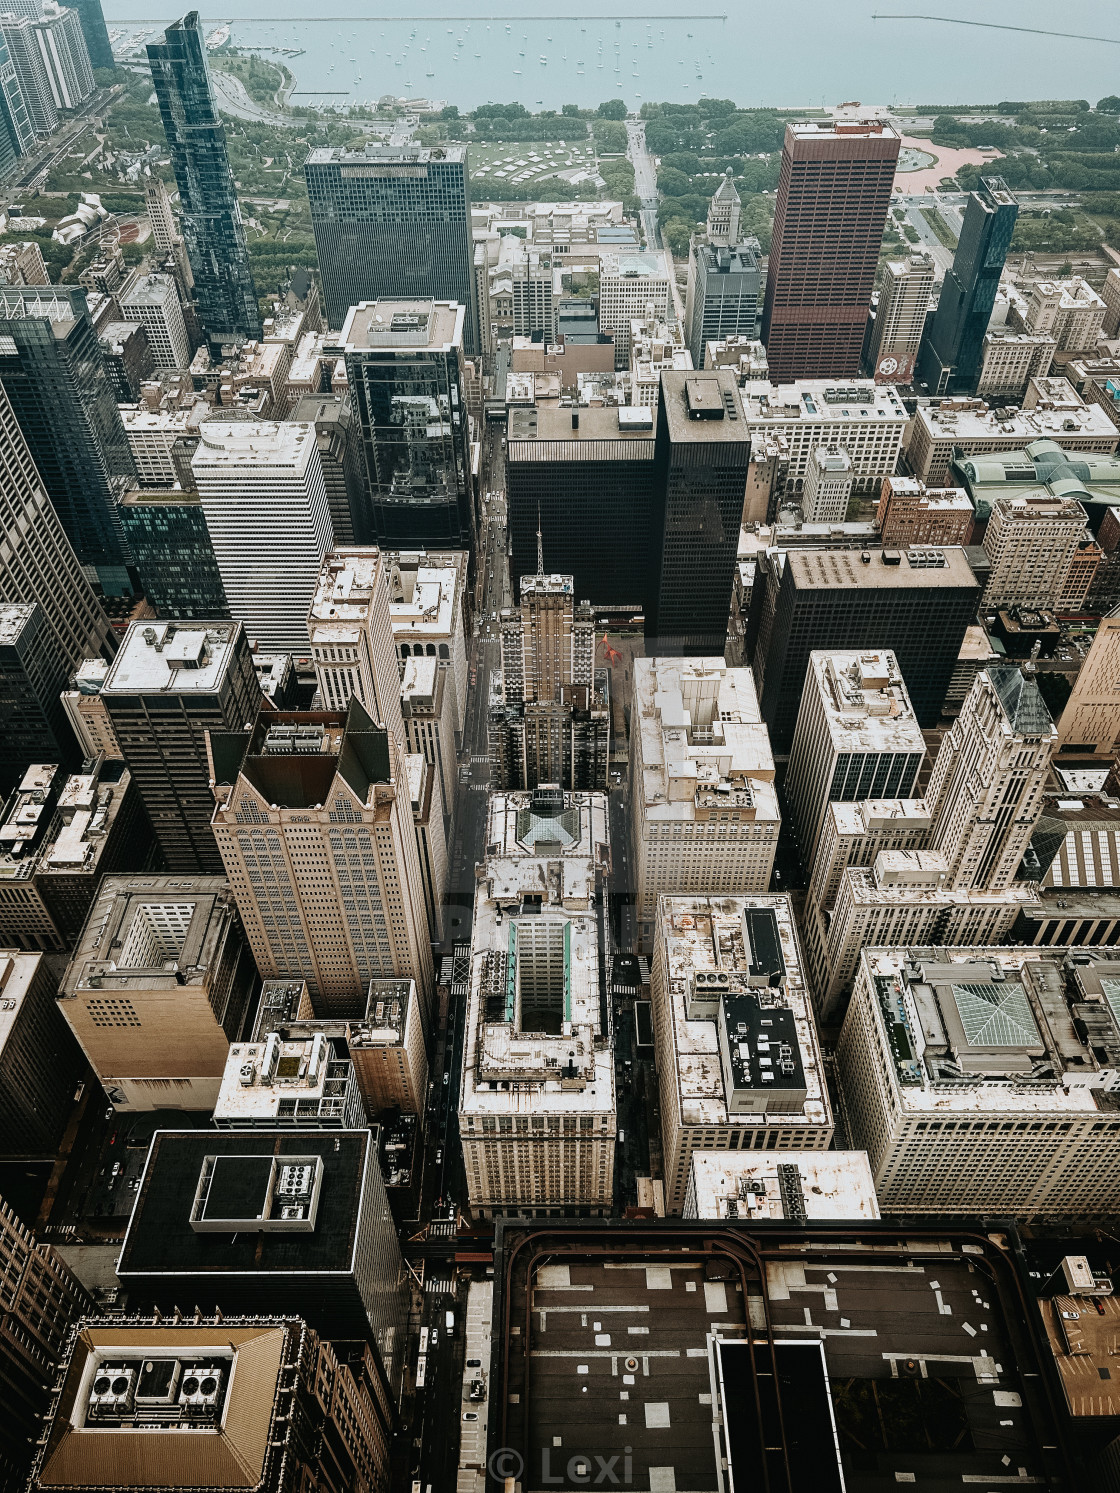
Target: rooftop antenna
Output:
[(540, 544)]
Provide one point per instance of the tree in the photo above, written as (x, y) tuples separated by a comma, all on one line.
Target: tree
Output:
[(610, 136), (571, 110), (673, 183), (613, 108), (677, 234), (1109, 105)]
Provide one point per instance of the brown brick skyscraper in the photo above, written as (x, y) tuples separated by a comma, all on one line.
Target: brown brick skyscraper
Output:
[(832, 205)]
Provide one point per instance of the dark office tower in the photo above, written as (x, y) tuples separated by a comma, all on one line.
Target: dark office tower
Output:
[(722, 301), (585, 478), (211, 216), (53, 371), (833, 196), (404, 365), (33, 723), (338, 435), (171, 683), (128, 358), (17, 135), (393, 221), (95, 32), (917, 603), (173, 555), (700, 460), (951, 356), (39, 1302)]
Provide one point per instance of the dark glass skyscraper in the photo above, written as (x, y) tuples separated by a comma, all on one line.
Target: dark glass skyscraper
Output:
[(950, 358), (212, 228), (393, 221), (16, 133), (53, 370), (94, 31)]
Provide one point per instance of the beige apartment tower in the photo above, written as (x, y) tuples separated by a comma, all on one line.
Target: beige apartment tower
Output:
[(314, 826), (1090, 722), (1030, 543), (351, 632), (900, 319), (387, 1049)]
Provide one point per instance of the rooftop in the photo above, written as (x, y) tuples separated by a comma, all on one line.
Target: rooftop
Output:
[(704, 747), (591, 433), (248, 444), (866, 706), (17, 971), (292, 1079), (965, 421), (878, 570), (162, 1240), (293, 757), (173, 658), (739, 1184), (822, 401), (704, 407), (14, 618), (435, 325), (424, 599), (1001, 1030), (375, 153), (721, 949), (149, 290)]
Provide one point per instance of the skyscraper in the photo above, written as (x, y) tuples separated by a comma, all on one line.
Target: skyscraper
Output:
[(393, 221), (900, 319), (211, 216), (171, 549), (95, 33), (951, 356), (404, 365), (337, 897), (17, 133), (21, 41), (701, 455), (153, 301), (722, 299), (170, 684), (53, 370), (58, 35), (833, 196), (351, 632), (33, 722)]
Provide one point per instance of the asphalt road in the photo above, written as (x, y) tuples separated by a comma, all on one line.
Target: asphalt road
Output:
[(645, 181)]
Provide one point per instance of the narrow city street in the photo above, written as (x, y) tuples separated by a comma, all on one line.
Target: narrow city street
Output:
[(645, 181)]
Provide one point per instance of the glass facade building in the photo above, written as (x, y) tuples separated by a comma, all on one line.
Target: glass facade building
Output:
[(17, 134), (953, 352), (211, 215), (404, 363), (94, 31), (393, 221), (53, 370), (172, 552)]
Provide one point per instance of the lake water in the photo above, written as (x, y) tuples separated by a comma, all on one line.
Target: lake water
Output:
[(790, 53)]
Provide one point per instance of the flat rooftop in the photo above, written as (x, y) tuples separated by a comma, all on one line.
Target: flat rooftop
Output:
[(926, 569), (866, 706), (386, 155), (248, 444), (601, 434), (14, 619), (898, 1358), (746, 1185), (149, 290), (704, 407), (823, 401), (172, 658), (404, 325)]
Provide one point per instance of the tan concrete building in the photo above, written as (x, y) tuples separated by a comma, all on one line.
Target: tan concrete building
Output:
[(967, 1084), (428, 708), (936, 430), (852, 834), (351, 636), (856, 737), (1011, 360), (1031, 541), (428, 601), (910, 513), (738, 1058), (704, 808), (1069, 310), (1090, 721), (828, 485), (157, 989), (746, 1186), (86, 710), (387, 1049), (537, 1106), (1110, 295), (866, 418), (314, 826), (900, 319), (431, 837)]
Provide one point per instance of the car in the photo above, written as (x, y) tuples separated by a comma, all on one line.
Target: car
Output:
[(433, 1337), (116, 1170), (474, 1363), (439, 1155), (447, 1078), (469, 1415), (109, 1113)]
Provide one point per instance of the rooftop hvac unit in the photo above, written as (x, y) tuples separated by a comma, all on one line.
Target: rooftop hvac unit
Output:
[(113, 1389), (201, 1385)]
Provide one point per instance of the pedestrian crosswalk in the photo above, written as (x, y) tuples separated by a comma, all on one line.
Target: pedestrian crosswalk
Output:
[(437, 1285)]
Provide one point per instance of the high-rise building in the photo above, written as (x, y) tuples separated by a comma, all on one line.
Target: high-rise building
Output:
[(910, 513), (738, 1057), (852, 834), (85, 709), (918, 604), (22, 263), (1070, 311), (404, 368), (1030, 542), (428, 601), (62, 47), (33, 723), (986, 447), (39, 1302), (393, 221), (261, 490), (951, 355), (158, 987), (211, 215), (865, 419), (95, 33), (336, 1258), (426, 797), (724, 212), (1090, 722), (977, 1079), (61, 835), (338, 436), (722, 298), (227, 1400), (161, 214), (900, 319), (39, 1061), (701, 458), (351, 632), (153, 300), (169, 685), (386, 1046), (128, 359), (986, 789), (1010, 360), (553, 722), (21, 41), (571, 473), (632, 286), (171, 548), (856, 738), (428, 708), (833, 196), (17, 133), (537, 1106), (53, 372), (340, 901), (704, 807), (828, 486)]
